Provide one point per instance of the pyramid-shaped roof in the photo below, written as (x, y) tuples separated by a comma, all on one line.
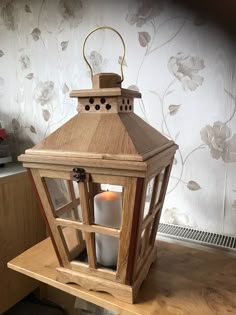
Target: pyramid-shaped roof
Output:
[(103, 136), (119, 136)]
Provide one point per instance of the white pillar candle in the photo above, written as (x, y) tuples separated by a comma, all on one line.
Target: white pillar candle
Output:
[(107, 212)]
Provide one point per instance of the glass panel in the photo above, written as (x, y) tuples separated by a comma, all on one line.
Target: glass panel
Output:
[(58, 191), (144, 240), (78, 213), (160, 178), (106, 251), (66, 215), (106, 247), (74, 214), (64, 197), (108, 206), (153, 193), (148, 199), (75, 243), (76, 189)]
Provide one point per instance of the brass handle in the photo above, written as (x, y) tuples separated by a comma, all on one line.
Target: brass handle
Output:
[(123, 43)]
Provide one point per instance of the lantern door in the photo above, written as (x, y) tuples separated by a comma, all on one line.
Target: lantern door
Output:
[(91, 221)]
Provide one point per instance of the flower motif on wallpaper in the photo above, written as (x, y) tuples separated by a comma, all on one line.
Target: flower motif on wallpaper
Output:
[(219, 137), (144, 12), (28, 8), (71, 10), (8, 16), (96, 60), (16, 127), (186, 68), (175, 216), (44, 92), (221, 142), (25, 62), (36, 33), (18, 137)]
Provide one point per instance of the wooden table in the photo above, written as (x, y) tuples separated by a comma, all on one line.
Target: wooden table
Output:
[(183, 281)]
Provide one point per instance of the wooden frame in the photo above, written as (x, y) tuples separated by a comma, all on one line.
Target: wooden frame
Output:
[(135, 254)]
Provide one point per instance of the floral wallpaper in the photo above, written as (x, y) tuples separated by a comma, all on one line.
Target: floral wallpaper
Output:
[(181, 62)]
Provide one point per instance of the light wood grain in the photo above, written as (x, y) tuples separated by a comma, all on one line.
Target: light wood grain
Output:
[(108, 106), (160, 161), (87, 220), (55, 233), (139, 218), (123, 137), (106, 80), (105, 92), (59, 174), (149, 218), (99, 272), (88, 281), (126, 228), (108, 179), (161, 199), (21, 226), (103, 167), (75, 202), (134, 237), (182, 281), (92, 228)]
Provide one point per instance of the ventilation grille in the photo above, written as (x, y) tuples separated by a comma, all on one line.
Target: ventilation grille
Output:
[(198, 236)]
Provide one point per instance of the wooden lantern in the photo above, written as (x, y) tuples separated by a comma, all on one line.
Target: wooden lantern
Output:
[(105, 143)]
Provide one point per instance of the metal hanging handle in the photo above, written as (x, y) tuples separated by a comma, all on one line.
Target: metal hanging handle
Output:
[(124, 49)]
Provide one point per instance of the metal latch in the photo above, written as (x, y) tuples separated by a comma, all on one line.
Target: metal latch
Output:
[(79, 175)]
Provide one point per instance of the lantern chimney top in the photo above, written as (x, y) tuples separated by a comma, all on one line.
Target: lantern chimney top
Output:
[(105, 84), (106, 80)]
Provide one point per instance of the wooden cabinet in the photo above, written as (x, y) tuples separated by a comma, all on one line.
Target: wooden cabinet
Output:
[(21, 226)]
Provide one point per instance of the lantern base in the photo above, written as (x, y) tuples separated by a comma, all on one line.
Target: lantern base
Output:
[(123, 292)]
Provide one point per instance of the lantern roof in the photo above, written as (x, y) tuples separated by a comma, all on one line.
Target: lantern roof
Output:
[(104, 132)]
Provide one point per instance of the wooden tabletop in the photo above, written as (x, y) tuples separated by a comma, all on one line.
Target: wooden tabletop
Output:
[(183, 281)]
